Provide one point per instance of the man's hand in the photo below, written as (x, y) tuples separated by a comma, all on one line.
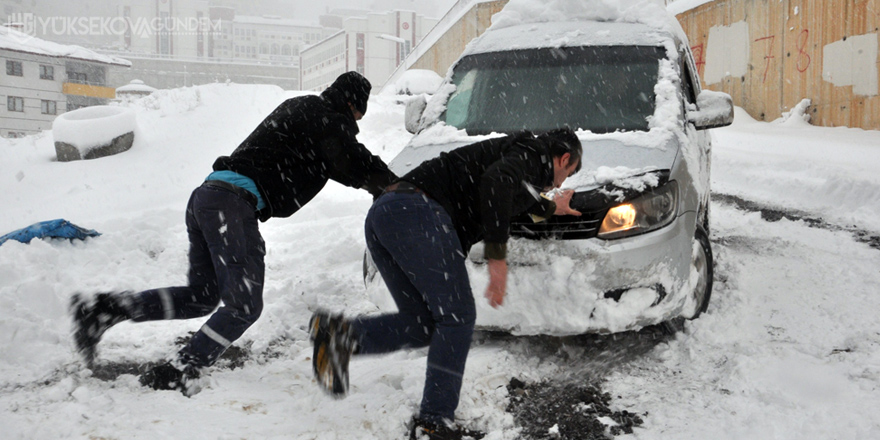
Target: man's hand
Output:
[(562, 199), (497, 282)]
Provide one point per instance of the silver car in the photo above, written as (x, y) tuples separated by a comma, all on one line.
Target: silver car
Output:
[(640, 254)]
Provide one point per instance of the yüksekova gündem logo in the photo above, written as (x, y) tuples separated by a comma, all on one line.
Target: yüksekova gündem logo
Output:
[(24, 26)]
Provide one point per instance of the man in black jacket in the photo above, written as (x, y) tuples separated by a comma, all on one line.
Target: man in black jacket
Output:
[(279, 168), (419, 233)]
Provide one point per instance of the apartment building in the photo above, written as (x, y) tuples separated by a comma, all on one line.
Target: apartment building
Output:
[(373, 44), (43, 79)]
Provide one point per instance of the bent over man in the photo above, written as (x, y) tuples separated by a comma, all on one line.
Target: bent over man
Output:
[(418, 234), (275, 171)]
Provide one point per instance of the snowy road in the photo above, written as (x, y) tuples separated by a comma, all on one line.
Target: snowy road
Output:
[(789, 348)]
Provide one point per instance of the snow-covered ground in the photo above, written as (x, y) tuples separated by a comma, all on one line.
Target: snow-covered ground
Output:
[(789, 348)]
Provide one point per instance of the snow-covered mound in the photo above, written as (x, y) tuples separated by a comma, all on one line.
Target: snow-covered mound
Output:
[(416, 82), (89, 128)]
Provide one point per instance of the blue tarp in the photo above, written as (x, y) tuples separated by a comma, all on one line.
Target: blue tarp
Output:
[(51, 228)]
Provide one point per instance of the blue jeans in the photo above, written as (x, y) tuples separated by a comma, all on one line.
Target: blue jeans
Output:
[(226, 254), (415, 247)]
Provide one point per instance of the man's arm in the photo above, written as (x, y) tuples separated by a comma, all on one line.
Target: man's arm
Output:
[(501, 182), (351, 164)]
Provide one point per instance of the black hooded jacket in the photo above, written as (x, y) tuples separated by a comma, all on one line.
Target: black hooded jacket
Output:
[(483, 185), (304, 142)]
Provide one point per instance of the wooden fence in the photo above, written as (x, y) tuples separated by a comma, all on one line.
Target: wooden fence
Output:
[(770, 54)]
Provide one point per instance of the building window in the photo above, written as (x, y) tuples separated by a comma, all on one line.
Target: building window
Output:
[(47, 72), (78, 77), (13, 68), (48, 107), (15, 104)]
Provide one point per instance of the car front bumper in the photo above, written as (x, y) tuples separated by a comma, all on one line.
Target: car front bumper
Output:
[(564, 287)]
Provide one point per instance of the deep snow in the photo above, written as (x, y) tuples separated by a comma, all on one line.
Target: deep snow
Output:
[(790, 346)]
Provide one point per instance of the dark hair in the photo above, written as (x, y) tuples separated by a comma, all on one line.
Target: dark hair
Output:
[(355, 89), (561, 141)]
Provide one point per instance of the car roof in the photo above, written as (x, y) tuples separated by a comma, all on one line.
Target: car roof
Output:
[(569, 34)]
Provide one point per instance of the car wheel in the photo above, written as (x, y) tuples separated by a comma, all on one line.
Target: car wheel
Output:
[(702, 264)]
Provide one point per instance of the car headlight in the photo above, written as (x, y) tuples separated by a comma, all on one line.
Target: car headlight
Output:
[(645, 213)]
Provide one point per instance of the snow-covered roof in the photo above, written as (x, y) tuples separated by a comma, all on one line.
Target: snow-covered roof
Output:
[(135, 86), (567, 34), (11, 39), (649, 13)]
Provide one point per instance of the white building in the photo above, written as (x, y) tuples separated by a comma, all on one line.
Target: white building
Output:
[(273, 39), (373, 45), (168, 28), (323, 62), (43, 79)]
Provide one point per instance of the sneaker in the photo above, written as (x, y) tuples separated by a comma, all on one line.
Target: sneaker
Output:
[(169, 376), (425, 430), (92, 318), (333, 339)]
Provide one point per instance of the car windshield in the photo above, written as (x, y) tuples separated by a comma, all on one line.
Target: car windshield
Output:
[(599, 88)]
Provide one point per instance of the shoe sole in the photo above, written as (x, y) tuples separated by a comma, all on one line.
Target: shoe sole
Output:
[(327, 364)]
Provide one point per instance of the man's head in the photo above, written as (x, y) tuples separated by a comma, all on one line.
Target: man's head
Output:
[(356, 91), (566, 151)]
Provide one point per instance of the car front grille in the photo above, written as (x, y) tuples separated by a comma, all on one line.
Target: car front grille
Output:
[(593, 205), (563, 227)]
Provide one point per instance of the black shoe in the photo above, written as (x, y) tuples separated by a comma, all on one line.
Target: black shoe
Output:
[(92, 318), (334, 343), (425, 430), (167, 376)]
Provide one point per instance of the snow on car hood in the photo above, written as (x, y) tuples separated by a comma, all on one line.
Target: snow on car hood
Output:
[(624, 160)]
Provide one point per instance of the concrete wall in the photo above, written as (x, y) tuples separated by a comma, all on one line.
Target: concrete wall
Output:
[(448, 47), (770, 54)]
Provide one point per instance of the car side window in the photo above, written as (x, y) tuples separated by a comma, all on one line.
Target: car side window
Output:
[(459, 102)]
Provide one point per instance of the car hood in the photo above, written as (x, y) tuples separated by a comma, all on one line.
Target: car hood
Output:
[(606, 158)]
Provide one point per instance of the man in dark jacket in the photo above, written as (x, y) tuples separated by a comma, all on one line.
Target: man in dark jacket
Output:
[(419, 233), (279, 168)]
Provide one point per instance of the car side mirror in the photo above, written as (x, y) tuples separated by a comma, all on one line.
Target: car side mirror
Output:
[(715, 110), (415, 107)]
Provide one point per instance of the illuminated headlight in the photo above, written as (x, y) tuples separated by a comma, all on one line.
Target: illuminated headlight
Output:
[(646, 213)]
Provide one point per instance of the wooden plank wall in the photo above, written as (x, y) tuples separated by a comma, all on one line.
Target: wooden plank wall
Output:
[(787, 41)]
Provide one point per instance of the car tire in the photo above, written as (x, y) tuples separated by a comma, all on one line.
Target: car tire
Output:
[(703, 263)]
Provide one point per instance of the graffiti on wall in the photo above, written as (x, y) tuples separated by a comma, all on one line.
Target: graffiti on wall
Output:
[(850, 61)]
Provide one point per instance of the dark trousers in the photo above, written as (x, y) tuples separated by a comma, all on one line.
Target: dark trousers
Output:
[(416, 249), (226, 254)]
